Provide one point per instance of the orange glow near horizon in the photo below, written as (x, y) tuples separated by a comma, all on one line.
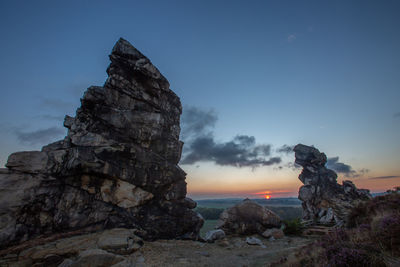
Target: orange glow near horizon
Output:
[(267, 196), (241, 183)]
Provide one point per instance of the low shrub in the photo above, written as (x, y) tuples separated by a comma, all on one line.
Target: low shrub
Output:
[(386, 231), (293, 227), (372, 239), (344, 248), (365, 211), (209, 213)]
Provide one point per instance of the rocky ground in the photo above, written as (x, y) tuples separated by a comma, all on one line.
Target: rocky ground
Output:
[(232, 251), (120, 247)]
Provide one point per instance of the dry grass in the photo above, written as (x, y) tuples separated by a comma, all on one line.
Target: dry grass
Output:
[(371, 239)]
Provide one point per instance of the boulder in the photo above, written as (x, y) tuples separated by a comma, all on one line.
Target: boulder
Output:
[(117, 166), (102, 248), (213, 235), (247, 218), (255, 241), (275, 233), (96, 258), (324, 201), (119, 241)]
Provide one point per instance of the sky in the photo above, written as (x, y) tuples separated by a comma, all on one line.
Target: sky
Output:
[(254, 79)]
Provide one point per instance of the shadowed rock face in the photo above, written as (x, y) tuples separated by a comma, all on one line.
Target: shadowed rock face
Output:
[(117, 167), (324, 200)]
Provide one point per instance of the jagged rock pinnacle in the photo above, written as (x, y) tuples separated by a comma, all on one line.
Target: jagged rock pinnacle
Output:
[(117, 166), (128, 65)]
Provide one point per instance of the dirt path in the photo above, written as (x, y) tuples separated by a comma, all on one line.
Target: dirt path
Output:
[(111, 248), (230, 252)]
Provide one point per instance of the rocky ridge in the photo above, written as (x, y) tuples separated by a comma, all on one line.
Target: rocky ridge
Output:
[(324, 200), (117, 166)]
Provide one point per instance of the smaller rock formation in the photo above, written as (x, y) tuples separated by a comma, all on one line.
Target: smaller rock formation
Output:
[(324, 200), (247, 218)]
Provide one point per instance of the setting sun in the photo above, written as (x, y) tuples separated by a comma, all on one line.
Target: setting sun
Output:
[(267, 196)]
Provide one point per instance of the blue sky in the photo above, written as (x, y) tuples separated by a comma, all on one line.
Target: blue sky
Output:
[(324, 73)]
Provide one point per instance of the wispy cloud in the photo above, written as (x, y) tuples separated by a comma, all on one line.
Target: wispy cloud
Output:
[(286, 149), (384, 177), (291, 38), (197, 122), (340, 167), (293, 166), (41, 136), (396, 115)]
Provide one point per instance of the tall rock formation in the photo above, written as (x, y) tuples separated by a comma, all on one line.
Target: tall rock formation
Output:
[(117, 166), (324, 200)]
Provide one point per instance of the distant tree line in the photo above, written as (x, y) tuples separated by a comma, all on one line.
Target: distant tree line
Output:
[(286, 213), (209, 213)]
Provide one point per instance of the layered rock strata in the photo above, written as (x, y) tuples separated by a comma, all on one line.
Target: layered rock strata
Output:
[(324, 200), (117, 166)]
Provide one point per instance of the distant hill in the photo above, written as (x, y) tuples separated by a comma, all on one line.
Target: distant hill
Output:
[(286, 208), (284, 201), (378, 194), (229, 202)]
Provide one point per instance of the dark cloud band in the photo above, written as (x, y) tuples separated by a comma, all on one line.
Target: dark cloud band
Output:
[(200, 146), (286, 149), (384, 177), (345, 169)]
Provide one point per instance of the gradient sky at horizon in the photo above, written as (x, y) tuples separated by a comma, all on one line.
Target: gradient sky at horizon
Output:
[(322, 73)]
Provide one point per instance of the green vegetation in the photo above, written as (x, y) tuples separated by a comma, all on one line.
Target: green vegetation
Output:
[(212, 209), (293, 227), (394, 190), (209, 213), (227, 203), (207, 226), (286, 213)]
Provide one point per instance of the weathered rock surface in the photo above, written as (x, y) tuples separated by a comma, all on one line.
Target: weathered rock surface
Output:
[(273, 232), (255, 241), (117, 166), (247, 218), (213, 235), (103, 248), (324, 200)]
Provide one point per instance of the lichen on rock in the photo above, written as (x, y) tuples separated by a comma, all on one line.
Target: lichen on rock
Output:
[(117, 166)]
